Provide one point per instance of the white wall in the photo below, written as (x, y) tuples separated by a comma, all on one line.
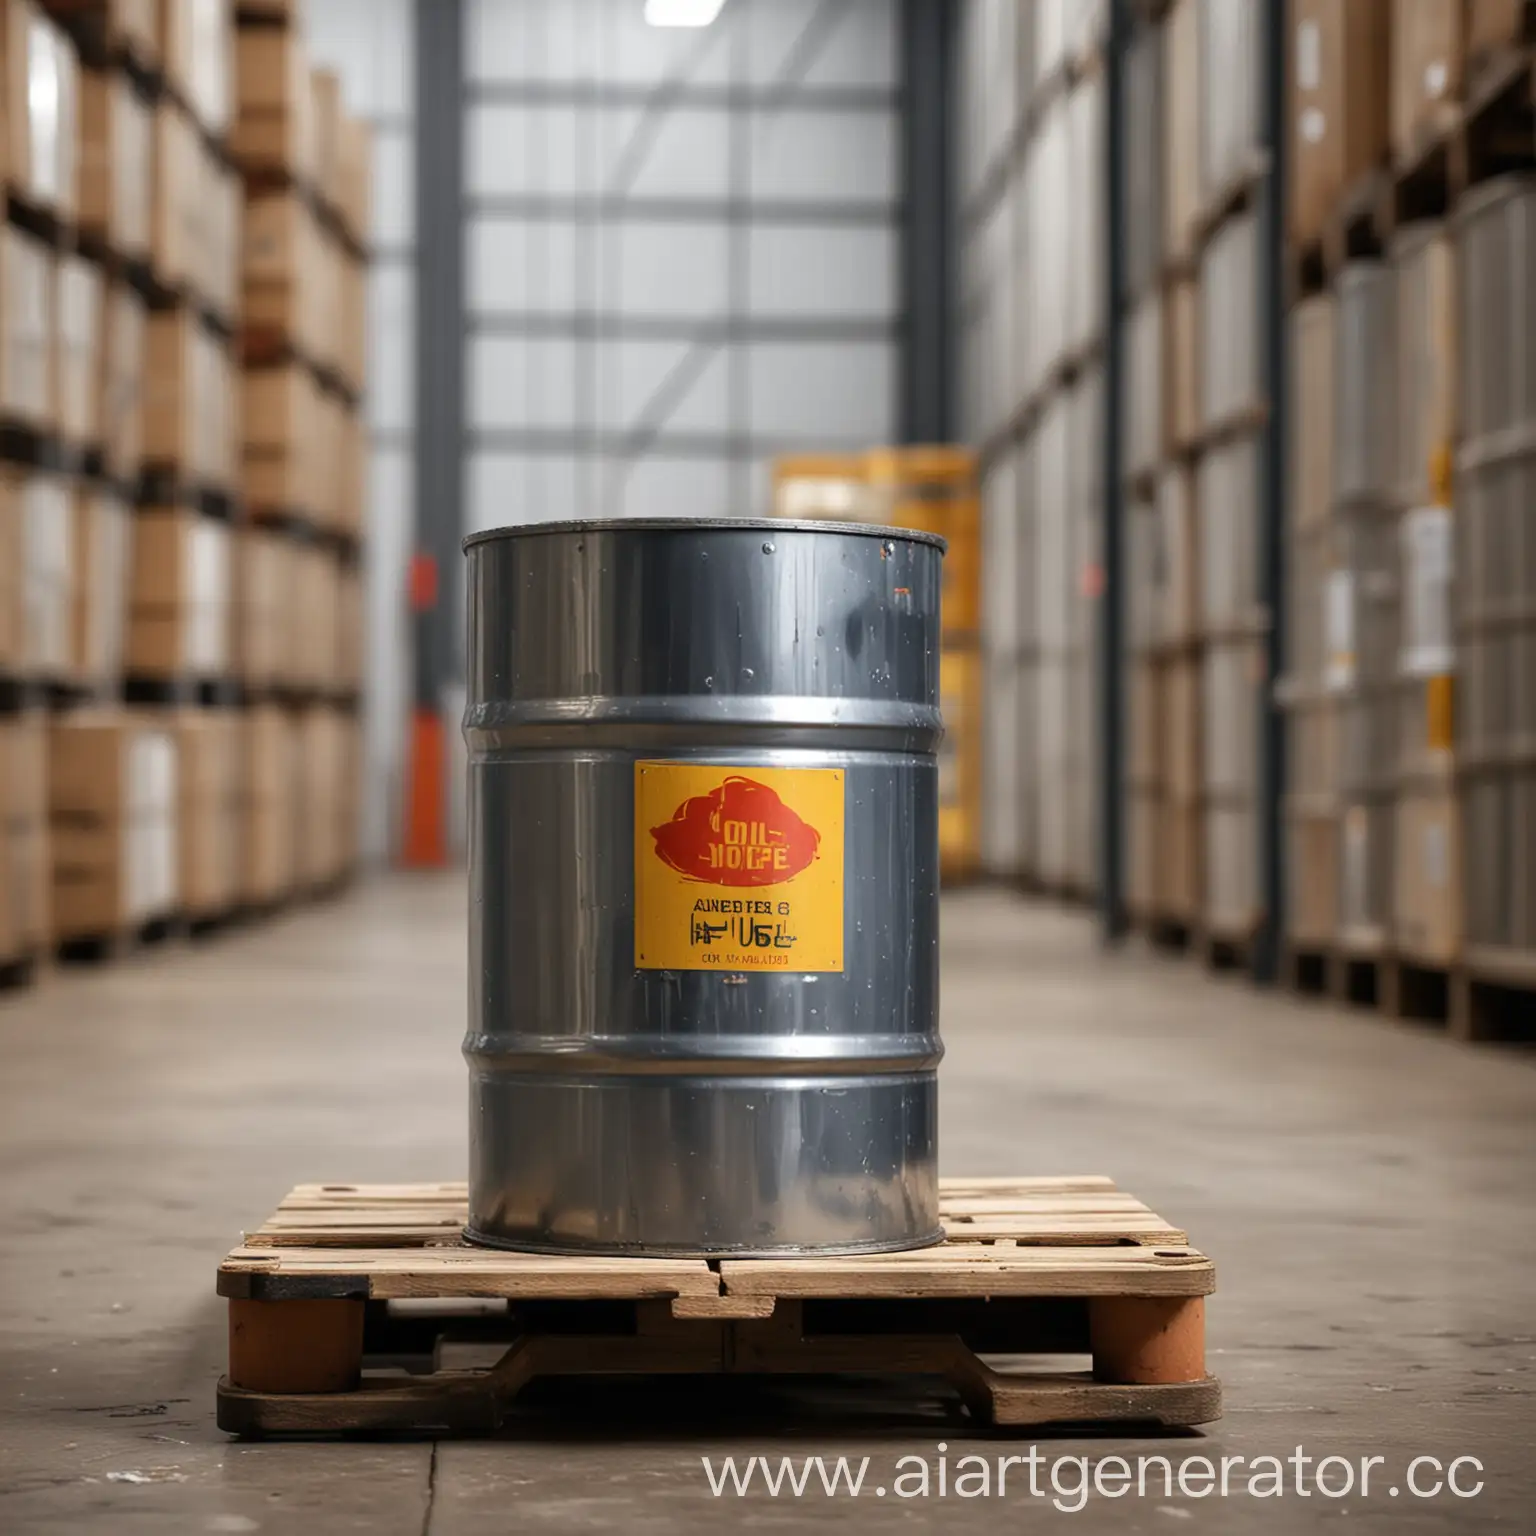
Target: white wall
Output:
[(682, 251)]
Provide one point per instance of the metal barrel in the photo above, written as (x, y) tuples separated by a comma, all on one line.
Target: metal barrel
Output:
[(703, 833)]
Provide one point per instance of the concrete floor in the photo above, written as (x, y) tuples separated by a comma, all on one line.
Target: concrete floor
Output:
[(1368, 1191)]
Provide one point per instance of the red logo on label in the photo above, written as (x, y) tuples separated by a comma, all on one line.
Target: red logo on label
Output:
[(739, 834)]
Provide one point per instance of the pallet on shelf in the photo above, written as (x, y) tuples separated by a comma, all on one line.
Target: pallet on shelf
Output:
[(1028, 1266)]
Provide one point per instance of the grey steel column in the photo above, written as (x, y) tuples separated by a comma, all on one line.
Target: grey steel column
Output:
[(1112, 914), (929, 232), (439, 344), (1271, 502)]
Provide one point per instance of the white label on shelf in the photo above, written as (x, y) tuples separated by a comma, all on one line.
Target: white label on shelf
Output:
[(1309, 56), (1435, 76), (1428, 564), (1339, 631), (1313, 125)]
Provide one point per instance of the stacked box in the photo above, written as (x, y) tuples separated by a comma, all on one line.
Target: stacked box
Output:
[(1230, 387), (1426, 908), (267, 805), (274, 129), (348, 678), (24, 862), (1495, 564), (116, 128), (1312, 773), (189, 412), (263, 595), (120, 380), (311, 621), (284, 459), (180, 599), (208, 742), (76, 366), (351, 474), (112, 798), (1231, 96), (35, 510), (354, 180), (176, 200), (1361, 615), (26, 329), (100, 561), (1005, 844), (41, 83), (1182, 84), (1428, 61), (1340, 89), (325, 795)]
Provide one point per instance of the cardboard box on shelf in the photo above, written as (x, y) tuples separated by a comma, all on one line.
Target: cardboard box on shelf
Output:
[(176, 198), (1428, 64), (197, 56), (78, 301), (24, 865), (120, 379), (268, 810), (282, 277), (327, 116), (220, 258), (1181, 331), (354, 178), (41, 80), (179, 598), (189, 412), (352, 468), (282, 417), (1340, 90), (1495, 24), (116, 162), (1181, 128), (352, 321), (325, 840), (263, 597), (274, 127), (11, 585), (349, 629), (311, 630), (1426, 915), (26, 328), (101, 536), (36, 507), (207, 742), (112, 805)]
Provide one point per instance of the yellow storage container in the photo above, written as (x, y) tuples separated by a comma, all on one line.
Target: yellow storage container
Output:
[(960, 682), (829, 487), (934, 489)]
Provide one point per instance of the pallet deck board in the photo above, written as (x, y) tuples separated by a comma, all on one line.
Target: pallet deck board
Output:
[(1043, 1211), (1027, 1269)]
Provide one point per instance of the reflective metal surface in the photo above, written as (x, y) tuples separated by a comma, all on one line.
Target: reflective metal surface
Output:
[(619, 1109)]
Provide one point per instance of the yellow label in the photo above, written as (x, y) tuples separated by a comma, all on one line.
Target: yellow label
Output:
[(738, 869)]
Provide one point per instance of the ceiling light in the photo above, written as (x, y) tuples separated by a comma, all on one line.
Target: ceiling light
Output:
[(682, 13)]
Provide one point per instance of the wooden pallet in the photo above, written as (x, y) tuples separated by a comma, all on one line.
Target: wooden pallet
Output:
[(1483, 996), (1029, 1267)]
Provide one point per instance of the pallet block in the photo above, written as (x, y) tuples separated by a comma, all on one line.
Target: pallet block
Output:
[(1037, 1267)]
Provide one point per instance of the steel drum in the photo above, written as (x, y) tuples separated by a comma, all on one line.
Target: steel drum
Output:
[(703, 809)]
